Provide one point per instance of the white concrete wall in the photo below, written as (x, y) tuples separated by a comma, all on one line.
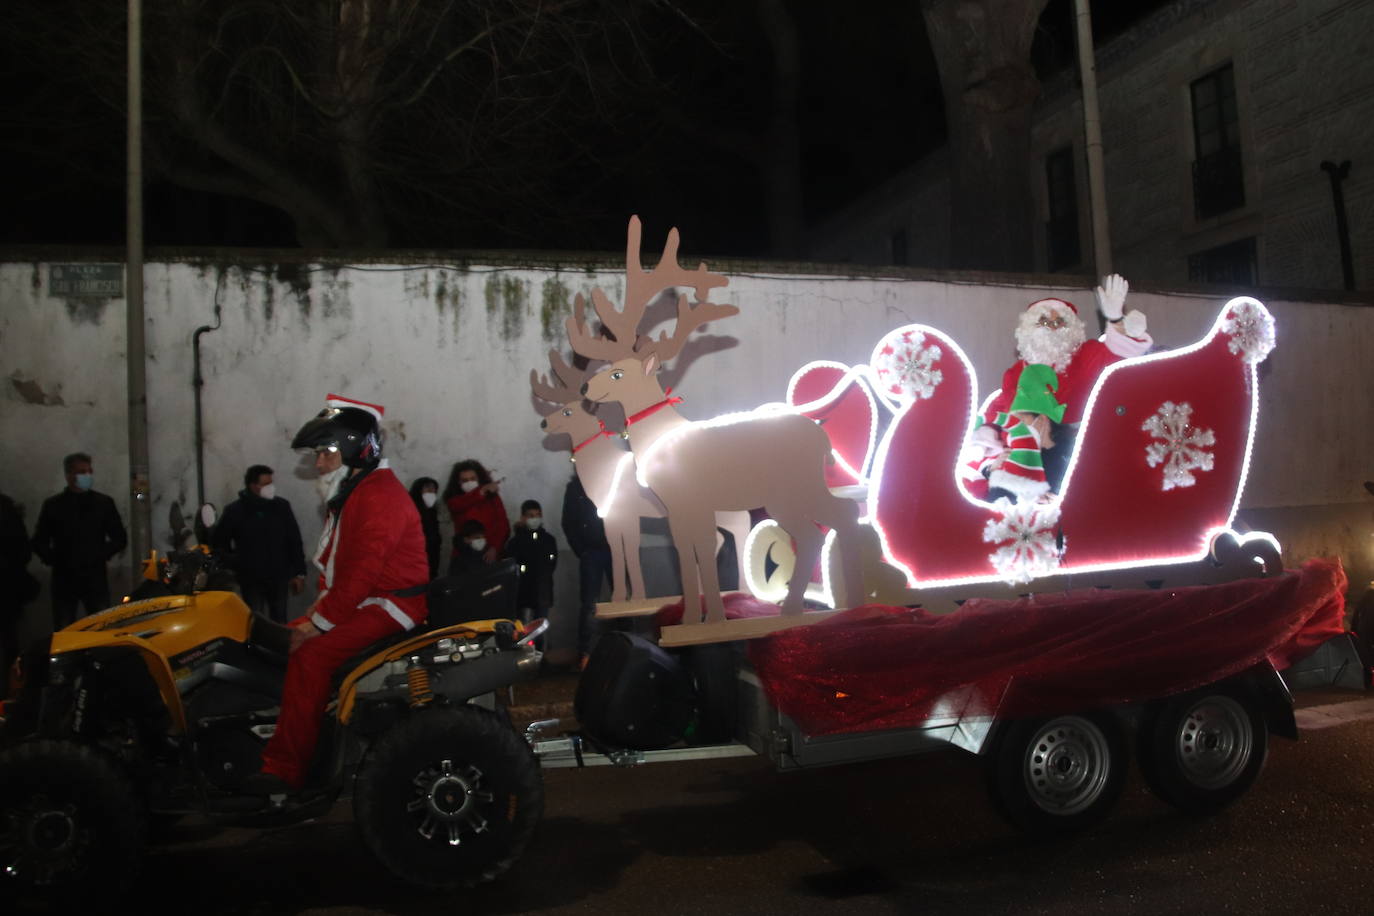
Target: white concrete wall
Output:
[(448, 351)]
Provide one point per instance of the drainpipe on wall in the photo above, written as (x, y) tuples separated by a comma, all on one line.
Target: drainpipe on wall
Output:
[(1338, 174), (140, 506), (197, 383), (1092, 136)]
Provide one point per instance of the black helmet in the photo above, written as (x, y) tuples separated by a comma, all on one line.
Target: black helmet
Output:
[(352, 431)]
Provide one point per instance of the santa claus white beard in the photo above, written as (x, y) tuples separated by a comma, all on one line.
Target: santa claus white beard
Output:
[(1049, 346), (327, 484)]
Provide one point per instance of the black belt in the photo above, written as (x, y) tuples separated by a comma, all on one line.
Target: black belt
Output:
[(412, 591)]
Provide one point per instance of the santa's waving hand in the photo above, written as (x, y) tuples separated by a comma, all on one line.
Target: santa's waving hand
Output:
[(1111, 299)]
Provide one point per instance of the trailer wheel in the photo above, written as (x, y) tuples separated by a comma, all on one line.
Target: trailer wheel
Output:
[(449, 798), (1058, 775), (1202, 750)]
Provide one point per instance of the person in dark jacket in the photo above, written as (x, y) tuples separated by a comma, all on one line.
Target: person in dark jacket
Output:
[(425, 494), (259, 530), (78, 532), (19, 585), (586, 535), (470, 551), (536, 550)]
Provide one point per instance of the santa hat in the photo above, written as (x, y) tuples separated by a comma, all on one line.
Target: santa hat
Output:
[(339, 402), (1053, 302)]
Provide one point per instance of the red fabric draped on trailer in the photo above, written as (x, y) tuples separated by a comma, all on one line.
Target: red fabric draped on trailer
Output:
[(880, 667)]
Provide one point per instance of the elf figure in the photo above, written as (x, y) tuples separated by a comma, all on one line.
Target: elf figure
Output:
[(1027, 433)]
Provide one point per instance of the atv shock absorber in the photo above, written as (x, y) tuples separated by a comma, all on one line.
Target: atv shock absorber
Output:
[(417, 678)]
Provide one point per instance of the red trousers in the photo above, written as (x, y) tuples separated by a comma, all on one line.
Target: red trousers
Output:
[(306, 690)]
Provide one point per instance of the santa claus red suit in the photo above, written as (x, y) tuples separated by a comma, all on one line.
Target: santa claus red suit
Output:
[(372, 555), (1044, 393)]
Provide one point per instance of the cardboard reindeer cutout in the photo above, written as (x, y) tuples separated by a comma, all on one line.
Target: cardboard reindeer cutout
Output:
[(773, 458), (607, 473)]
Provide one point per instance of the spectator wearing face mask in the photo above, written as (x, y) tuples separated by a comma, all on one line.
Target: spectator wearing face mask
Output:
[(469, 549), (78, 532), (471, 495), (425, 494), (536, 550), (259, 532)]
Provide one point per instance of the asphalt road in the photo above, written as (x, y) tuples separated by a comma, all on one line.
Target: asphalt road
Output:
[(915, 835)]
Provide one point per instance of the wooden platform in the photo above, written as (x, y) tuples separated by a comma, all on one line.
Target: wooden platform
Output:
[(695, 634)]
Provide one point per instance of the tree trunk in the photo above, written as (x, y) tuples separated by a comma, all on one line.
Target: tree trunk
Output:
[(982, 49)]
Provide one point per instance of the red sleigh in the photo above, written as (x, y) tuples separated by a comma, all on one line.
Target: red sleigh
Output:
[(1156, 475)]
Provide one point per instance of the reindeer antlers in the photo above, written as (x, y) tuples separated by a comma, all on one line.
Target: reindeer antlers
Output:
[(569, 387), (640, 287)]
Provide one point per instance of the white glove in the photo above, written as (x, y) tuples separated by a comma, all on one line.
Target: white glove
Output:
[(989, 440), (1134, 323), (1111, 295)]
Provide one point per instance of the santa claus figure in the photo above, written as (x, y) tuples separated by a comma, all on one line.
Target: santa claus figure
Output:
[(1027, 432)]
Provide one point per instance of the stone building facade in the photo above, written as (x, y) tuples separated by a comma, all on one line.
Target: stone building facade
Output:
[(1216, 117)]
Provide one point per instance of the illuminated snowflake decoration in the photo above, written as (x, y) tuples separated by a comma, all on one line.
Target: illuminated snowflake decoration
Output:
[(1251, 328), (905, 366), (1180, 446), (1026, 537)]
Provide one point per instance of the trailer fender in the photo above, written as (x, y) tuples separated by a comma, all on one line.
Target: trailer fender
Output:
[(1270, 691)]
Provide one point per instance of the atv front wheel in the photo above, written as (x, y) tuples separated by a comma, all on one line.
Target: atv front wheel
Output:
[(449, 798), (70, 821)]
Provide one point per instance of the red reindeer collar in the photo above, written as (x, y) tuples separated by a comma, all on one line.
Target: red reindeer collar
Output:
[(594, 436), (652, 409)]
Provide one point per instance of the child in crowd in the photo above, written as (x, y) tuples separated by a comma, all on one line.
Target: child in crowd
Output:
[(536, 550), (469, 549)]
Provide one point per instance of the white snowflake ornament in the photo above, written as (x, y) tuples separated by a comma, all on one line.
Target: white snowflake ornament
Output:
[(1251, 329), (906, 366), (1026, 537), (1180, 446)]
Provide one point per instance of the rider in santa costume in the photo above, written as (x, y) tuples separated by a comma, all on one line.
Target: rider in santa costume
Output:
[(375, 571), (1026, 432)]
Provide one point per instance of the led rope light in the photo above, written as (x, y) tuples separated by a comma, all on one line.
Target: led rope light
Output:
[(1209, 536)]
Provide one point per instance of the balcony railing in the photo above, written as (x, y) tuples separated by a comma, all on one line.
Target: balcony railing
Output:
[(1218, 182)]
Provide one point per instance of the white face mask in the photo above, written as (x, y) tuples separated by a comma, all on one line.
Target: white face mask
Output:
[(534, 522), (268, 491), (478, 544), (468, 485), (430, 499), (326, 485)]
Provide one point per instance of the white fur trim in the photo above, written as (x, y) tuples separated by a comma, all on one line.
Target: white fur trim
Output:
[(1024, 488)]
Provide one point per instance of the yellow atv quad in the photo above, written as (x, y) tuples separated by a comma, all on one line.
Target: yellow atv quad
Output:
[(161, 707)]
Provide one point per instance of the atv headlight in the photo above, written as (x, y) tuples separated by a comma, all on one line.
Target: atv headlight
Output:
[(61, 670)]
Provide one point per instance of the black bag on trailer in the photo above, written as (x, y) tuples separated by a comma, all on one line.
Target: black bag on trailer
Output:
[(487, 593), (634, 694)]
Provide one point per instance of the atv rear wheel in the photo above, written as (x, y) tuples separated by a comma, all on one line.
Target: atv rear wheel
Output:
[(70, 820), (449, 798)]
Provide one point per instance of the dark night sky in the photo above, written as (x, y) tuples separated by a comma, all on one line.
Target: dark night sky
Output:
[(870, 105)]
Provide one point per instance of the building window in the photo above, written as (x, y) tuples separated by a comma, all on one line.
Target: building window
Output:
[(1218, 182), (898, 248), (1061, 229), (1232, 264)]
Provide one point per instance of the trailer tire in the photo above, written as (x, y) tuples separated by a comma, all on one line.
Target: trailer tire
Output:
[(1058, 774), (449, 798), (1202, 750)]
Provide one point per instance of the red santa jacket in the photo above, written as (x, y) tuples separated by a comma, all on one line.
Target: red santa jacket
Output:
[(489, 510), (1075, 383), (370, 550)]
